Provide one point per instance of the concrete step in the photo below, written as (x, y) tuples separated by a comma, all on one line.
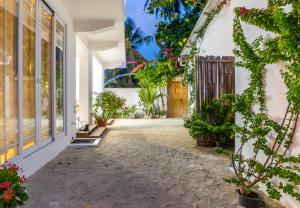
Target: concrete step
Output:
[(97, 133), (85, 134)]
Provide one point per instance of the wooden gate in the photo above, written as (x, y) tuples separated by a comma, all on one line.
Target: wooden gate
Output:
[(214, 76), (177, 99)]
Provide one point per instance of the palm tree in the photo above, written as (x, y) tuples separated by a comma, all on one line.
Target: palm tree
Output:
[(166, 10), (134, 38)]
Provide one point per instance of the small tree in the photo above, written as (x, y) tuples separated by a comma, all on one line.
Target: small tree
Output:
[(107, 105), (156, 75)]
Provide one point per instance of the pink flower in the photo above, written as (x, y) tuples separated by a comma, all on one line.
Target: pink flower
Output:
[(22, 179), (8, 195), (14, 167), (4, 185), (243, 11)]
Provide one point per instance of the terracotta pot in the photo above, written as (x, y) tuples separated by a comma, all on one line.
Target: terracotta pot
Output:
[(101, 122), (253, 200)]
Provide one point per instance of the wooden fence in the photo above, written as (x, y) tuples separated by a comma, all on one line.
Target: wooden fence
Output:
[(214, 76)]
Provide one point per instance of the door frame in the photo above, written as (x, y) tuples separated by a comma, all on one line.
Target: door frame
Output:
[(42, 143), (62, 134)]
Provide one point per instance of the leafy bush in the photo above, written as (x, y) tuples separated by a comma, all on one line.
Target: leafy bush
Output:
[(216, 118), (12, 191), (127, 111), (148, 95), (156, 75), (107, 105)]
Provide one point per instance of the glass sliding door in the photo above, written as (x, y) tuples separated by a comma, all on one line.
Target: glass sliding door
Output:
[(8, 79), (2, 54), (59, 76), (46, 81), (29, 74)]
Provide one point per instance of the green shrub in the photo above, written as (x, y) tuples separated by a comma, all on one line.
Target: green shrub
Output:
[(148, 95), (12, 191), (107, 105), (216, 118)]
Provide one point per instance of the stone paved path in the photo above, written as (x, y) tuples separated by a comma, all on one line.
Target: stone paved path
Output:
[(139, 164)]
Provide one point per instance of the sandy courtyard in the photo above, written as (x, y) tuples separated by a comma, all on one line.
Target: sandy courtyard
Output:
[(139, 164)]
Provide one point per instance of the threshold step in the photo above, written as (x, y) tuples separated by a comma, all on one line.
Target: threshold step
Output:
[(97, 133), (85, 142), (85, 134)]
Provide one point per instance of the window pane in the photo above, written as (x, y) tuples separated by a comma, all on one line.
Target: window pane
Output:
[(29, 69), (1, 78), (60, 36), (10, 77), (46, 66)]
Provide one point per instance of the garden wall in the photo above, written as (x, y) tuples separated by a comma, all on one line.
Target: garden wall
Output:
[(218, 41), (132, 95)]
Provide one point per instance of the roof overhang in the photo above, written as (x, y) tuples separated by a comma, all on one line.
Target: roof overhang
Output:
[(101, 25)]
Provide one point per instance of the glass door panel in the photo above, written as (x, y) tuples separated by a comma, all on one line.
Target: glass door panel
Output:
[(2, 54), (46, 72), (9, 79), (29, 74), (59, 79)]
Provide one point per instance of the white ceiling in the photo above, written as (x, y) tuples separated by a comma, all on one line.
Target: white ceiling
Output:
[(100, 23)]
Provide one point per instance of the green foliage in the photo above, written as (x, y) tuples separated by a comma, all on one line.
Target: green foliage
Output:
[(128, 111), (280, 47), (219, 150), (13, 193), (156, 74), (148, 96), (107, 105), (215, 118), (174, 34), (169, 9), (188, 73)]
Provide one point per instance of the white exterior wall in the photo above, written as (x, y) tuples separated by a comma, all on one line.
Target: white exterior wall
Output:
[(38, 159), (98, 76), (218, 41), (130, 94), (82, 57)]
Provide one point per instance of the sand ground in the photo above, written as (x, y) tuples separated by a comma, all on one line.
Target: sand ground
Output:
[(139, 164)]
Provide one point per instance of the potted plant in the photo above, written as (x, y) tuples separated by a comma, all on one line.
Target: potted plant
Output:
[(107, 105), (12, 191)]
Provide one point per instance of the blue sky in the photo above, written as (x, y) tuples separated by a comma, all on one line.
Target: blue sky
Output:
[(135, 10)]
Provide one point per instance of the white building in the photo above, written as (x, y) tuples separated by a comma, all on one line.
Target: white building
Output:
[(218, 41), (52, 56)]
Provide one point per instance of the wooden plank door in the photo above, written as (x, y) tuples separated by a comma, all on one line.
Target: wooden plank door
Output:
[(214, 77), (177, 99)]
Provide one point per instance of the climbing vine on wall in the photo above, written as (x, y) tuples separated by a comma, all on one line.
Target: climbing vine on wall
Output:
[(281, 44), (188, 73)]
